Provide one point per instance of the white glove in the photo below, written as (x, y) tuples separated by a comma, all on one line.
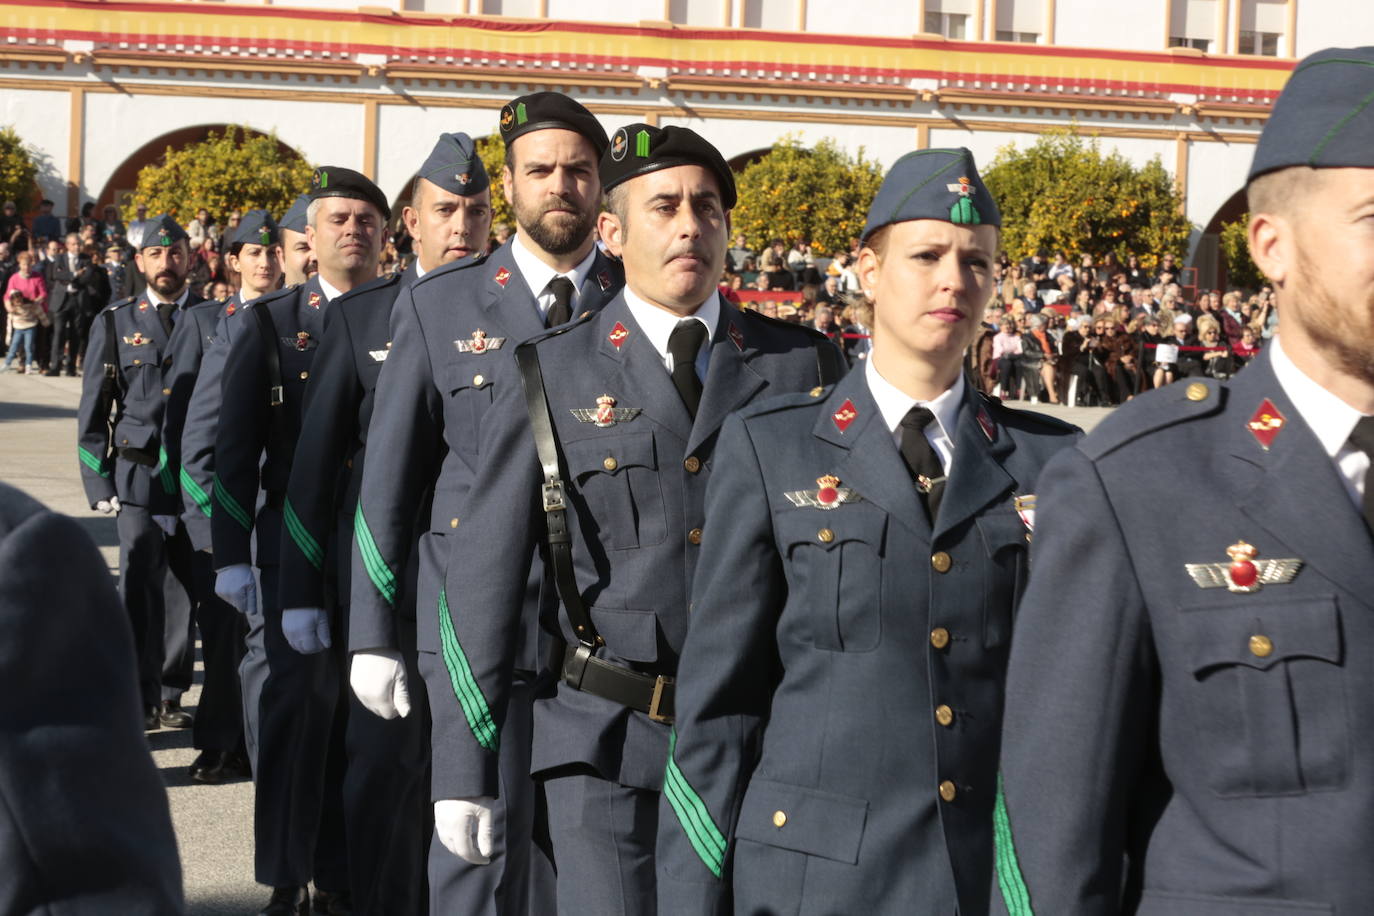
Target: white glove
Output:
[(235, 585), (464, 827), (378, 679), (168, 524), (109, 505), (306, 629)]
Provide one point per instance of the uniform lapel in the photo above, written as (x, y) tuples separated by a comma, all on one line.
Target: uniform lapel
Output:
[(310, 317), (146, 320), (873, 467), (508, 298), (600, 286), (636, 375), (1293, 490), (730, 381), (976, 476)]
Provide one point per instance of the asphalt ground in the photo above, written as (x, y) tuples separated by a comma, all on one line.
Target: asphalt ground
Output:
[(214, 824)]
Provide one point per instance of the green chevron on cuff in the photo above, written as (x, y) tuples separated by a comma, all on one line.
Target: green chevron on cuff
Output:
[(231, 505), (465, 688), (302, 536), (377, 570), (197, 494), (164, 473), (696, 822), (90, 461), (1015, 894)]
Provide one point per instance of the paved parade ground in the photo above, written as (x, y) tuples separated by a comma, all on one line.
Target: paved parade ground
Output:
[(213, 823)]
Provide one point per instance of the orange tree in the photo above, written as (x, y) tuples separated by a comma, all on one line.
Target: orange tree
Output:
[(819, 193), (492, 151), (1062, 192), (17, 170), (233, 169)]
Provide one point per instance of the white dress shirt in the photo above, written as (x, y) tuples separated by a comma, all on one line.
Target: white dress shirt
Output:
[(330, 293), (658, 324), (538, 275), (1330, 418), (894, 404)]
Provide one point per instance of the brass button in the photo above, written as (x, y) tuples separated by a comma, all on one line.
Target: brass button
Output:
[(348, 463), (825, 535), (610, 463), (939, 637), (125, 442), (166, 391), (305, 375), (453, 523), (1261, 646), (941, 562), (694, 535), (138, 362), (1196, 392), (779, 819), (817, 391), (692, 464), (944, 715), (948, 791), (477, 380)]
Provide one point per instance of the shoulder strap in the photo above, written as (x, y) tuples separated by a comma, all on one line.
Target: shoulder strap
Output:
[(555, 507), (111, 380), (268, 329), (827, 361)]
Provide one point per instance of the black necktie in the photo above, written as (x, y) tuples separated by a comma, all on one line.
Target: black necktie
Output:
[(683, 345), (1363, 439), (561, 309), (164, 313), (921, 459)]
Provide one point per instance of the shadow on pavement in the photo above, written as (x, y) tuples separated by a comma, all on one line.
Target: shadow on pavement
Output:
[(101, 528), (226, 904), (11, 410)]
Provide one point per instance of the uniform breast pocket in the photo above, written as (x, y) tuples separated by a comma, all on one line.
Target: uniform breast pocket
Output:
[(617, 476), (470, 393), (1265, 694), (295, 369), (1005, 545), (141, 371), (835, 568)]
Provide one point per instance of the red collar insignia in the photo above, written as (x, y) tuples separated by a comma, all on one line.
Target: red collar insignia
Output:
[(502, 277), (985, 421), (604, 280), (314, 301), (230, 309), (1266, 424), (618, 335), (736, 336), (143, 306), (845, 415)]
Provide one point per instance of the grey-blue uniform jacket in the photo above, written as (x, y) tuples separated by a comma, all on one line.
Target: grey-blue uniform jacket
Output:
[(254, 440), (322, 492), (192, 337), (1170, 748), (119, 427), (430, 404), (844, 661), (636, 490)]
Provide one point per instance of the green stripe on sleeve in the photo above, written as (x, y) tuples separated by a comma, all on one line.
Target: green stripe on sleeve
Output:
[(465, 687), (90, 461), (1009, 879), (229, 504), (692, 814), (377, 570), (164, 473), (302, 536), (201, 500)]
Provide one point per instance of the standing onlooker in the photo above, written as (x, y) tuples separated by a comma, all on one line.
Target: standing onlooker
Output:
[(738, 253), (120, 277), (11, 223), (24, 317), (111, 229), (45, 225), (139, 227), (68, 275), (32, 289), (199, 229)]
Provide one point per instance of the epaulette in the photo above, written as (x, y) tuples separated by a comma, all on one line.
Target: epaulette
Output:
[(275, 295), (446, 269), (551, 333), (121, 303), (789, 401), (1018, 417), (208, 303), (370, 285), (778, 322), (1155, 410)]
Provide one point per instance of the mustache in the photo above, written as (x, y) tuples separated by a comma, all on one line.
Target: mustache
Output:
[(700, 252)]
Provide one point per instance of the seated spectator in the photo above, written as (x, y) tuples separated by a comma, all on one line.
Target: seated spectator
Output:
[(1060, 268), (729, 286), (1232, 321), (1006, 354), (1188, 363), (773, 262), (1090, 365), (823, 320), (829, 292), (1249, 346), (769, 309), (1124, 364), (1166, 266), (738, 253), (1036, 267), (1038, 358), (1217, 359), (762, 283), (1013, 280), (1030, 298)]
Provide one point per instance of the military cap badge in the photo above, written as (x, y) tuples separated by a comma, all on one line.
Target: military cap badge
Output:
[(464, 177), (827, 495), (845, 415), (320, 179), (618, 335), (963, 211), (479, 342), (605, 413), (164, 239), (1244, 573), (1266, 424), (507, 117), (265, 236), (620, 144)]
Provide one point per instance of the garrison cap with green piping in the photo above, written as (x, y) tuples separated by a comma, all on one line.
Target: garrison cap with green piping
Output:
[(1323, 118), (933, 184), (546, 110), (638, 149), (454, 165), (164, 233), (256, 228), (295, 217), (334, 181)]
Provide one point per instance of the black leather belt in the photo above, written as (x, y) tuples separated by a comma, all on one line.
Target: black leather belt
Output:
[(645, 692)]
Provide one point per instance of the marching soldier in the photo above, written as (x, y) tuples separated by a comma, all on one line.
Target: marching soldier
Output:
[(298, 258), (299, 768), (624, 407), (465, 318), (386, 787), (124, 466), (839, 694), (1189, 704)]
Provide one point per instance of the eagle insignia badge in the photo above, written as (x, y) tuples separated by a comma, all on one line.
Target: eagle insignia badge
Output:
[(605, 413), (479, 342), (827, 495), (1245, 573)]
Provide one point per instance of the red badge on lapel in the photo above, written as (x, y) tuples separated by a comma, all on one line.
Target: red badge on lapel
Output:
[(1266, 424), (143, 305), (603, 279), (502, 277), (736, 336), (314, 301), (985, 421), (230, 309), (845, 415), (618, 335)]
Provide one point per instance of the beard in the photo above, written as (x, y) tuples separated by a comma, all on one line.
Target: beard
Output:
[(166, 283), (558, 234), (1350, 349)]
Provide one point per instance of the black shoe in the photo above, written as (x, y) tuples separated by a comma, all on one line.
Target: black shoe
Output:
[(52, 373), (71, 373), (287, 901), (215, 767), (333, 903), (173, 716), (152, 720)]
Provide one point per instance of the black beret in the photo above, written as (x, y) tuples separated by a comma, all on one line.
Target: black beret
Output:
[(933, 184), (455, 166), (332, 181), (256, 228), (543, 110), (295, 217), (1322, 118), (637, 149), (164, 232)]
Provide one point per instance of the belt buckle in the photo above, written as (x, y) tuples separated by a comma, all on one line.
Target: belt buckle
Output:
[(276, 396), (660, 683)]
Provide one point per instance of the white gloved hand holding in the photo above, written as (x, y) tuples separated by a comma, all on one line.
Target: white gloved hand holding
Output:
[(168, 524), (464, 826), (378, 678), (235, 585), (109, 505), (306, 629)]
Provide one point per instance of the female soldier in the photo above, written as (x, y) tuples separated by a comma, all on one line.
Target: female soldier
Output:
[(840, 692)]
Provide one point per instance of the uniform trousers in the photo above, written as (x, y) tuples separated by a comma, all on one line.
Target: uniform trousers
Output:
[(146, 583), (603, 837), (253, 672)]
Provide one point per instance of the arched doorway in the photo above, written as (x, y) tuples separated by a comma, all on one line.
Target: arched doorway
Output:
[(1207, 256), (739, 163)]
